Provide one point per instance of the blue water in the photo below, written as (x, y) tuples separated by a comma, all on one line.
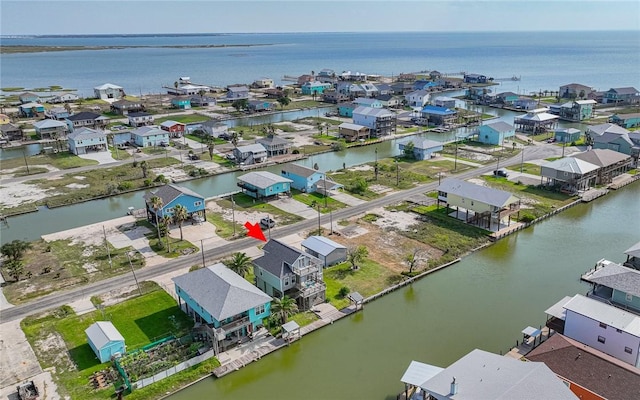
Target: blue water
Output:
[(544, 60)]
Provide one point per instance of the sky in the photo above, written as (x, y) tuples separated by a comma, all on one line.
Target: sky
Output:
[(52, 17)]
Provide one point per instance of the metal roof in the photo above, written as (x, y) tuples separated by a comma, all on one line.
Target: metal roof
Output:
[(601, 157), (290, 326), (483, 194), (500, 126), (148, 131), (299, 170), (321, 245), (170, 123), (374, 112), (615, 276), (604, 128), (263, 179), (633, 251), (170, 192), (252, 148), (49, 123), (101, 333), (221, 292), (571, 164), (418, 372), (538, 116), (557, 310), (435, 110), (350, 126), (601, 312), (425, 144), (108, 86), (86, 133)]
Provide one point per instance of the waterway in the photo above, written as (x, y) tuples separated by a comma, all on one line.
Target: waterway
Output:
[(482, 302)]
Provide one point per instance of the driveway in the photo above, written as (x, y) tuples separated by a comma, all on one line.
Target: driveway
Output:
[(18, 361), (346, 199), (295, 207), (102, 157)]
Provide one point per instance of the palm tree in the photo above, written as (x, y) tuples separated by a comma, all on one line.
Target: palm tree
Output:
[(180, 214), (166, 220), (156, 204), (283, 308), (240, 263), (144, 167)]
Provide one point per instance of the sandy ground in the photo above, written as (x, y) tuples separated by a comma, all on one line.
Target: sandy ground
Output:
[(8, 173), (18, 193), (18, 362)]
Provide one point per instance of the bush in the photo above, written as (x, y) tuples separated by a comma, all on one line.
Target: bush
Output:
[(148, 182), (526, 217), (338, 146), (195, 267), (295, 151), (135, 164), (160, 179), (343, 292), (126, 185)]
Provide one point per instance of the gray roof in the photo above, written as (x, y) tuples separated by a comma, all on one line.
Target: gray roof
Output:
[(601, 312), (321, 245), (500, 126), (350, 126), (86, 133), (633, 251), (483, 194), (601, 157), (148, 131), (277, 258), (290, 326), (537, 116), (83, 116), (571, 164), (49, 123), (262, 179), (624, 90), (299, 170), (138, 114), (9, 127), (252, 148), (374, 112), (169, 123), (627, 116), (212, 123), (418, 372), (483, 375), (609, 137), (170, 192), (615, 276), (271, 140), (604, 128), (101, 333), (424, 144), (221, 292)]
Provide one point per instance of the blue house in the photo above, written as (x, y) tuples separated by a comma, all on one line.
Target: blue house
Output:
[(149, 136), (438, 115), (263, 184), (495, 133), (314, 87), (30, 109), (567, 135), (29, 97), (368, 102), (423, 84), (631, 120), (260, 105), (226, 302), (615, 284), (346, 110), (303, 178), (171, 196), (181, 103), (105, 340), (423, 149), (237, 93)]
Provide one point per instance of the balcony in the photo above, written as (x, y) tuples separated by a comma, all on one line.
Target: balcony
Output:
[(235, 324)]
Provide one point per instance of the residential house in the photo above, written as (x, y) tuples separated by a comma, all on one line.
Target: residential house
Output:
[(11, 132), (633, 256), (346, 110), (475, 78), (250, 154), (406, 77), (149, 136), (383, 89), (402, 88), (172, 196), (28, 97), (614, 284), (181, 102), (381, 122), (327, 76), (526, 103), (124, 107), (574, 91), (577, 110), (274, 93), (353, 132), (57, 113), (50, 129), (419, 98), (364, 90), (325, 250), (140, 119), (176, 129), (263, 83), (484, 375), (314, 87), (423, 149), (445, 102), (64, 98), (188, 90), (275, 145), (31, 109), (335, 97), (438, 116), (108, 91), (535, 121), (105, 340), (610, 163), (506, 98), (388, 100), (606, 328), (286, 271), (574, 363), (86, 119), (264, 184), (214, 128), (496, 133), (477, 93), (614, 137), (484, 206), (237, 93), (567, 135), (85, 140), (631, 120), (202, 101), (302, 79), (569, 173), (260, 105), (367, 102), (229, 307), (423, 84), (302, 178), (627, 95)]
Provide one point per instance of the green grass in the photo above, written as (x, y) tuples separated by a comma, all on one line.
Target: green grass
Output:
[(183, 118), (528, 168), (178, 247), (119, 154), (224, 228), (155, 150), (304, 318), (312, 199), (32, 171), (249, 204), (61, 160)]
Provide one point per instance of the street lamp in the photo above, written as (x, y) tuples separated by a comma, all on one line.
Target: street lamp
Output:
[(134, 273)]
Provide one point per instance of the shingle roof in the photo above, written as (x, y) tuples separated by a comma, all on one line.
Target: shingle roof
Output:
[(321, 245), (299, 170), (500, 126), (252, 148), (49, 123), (169, 193), (483, 194), (101, 333), (277, 258), (83, 116), (627, 116), (601, 312), (588, 368), (607, 128), (148, 131), (571, 164), (138, 114), (375, 112), (615, 276), (601, 157), (263, 179), (86, 133), (633, 251), (221, 292), (272, 140), (624, 90)]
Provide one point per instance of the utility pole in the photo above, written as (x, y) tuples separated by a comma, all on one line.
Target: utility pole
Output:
[(134, 274), (455, 162), (319, 229), (24, 154), (376, 164), (202, 251), (233, 215), (522, 162), (106, 244), (325, 189), (397, 174)]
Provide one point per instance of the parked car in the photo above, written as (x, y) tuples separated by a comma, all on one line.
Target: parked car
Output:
[(267, 222), (501, 172), (193, 157)]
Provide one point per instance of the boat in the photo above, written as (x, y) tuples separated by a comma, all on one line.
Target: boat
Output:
[(28, 391)]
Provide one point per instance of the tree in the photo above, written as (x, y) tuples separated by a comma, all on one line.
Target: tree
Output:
[(234, 138), (582, 94), (356, 255), (211, 146), (145, 168), (360, 185), (167, 220), (175, 84), (15, 250), (240, 263), (156, 204), (14, 268), (240, 104), (284, 101), (67, 107), (283, 308), (408, 150), (180, 214), (413, 259)]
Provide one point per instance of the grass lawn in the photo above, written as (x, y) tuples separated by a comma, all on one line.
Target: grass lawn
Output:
[(119, 154), (183, 118), (369, 279), (224, 228), (140, 320), (61, 160), (249, 204), (312, 199), (528, 168), (304, 318), (178, 247)]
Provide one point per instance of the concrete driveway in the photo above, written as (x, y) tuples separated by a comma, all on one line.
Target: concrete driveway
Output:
[(346, 199), (102, 157), (295, 207), (18, 361)]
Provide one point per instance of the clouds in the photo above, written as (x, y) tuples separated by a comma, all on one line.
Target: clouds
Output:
[(153, 16)]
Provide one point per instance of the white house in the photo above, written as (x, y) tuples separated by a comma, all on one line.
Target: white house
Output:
[(84, 140), (380, 121), (419, 98), (325, 249), (108, 91), (140, 119), (214, 128)]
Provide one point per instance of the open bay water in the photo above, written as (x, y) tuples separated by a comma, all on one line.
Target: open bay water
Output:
[(543, 60)]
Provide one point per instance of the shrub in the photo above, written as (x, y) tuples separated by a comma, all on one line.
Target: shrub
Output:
[(295, 151), (148, 182), (343, 292), (126, 185), (195, 267), (135, 164), (526, 217), (160, 179)]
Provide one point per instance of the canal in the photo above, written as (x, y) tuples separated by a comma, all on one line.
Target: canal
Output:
[(482, 302)]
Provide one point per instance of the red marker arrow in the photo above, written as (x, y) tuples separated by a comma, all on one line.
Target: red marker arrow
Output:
[(255, 231)]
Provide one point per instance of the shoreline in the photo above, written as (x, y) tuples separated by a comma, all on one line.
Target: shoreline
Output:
[(23, 49)]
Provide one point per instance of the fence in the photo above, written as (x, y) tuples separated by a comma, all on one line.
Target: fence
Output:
[(175, 369)]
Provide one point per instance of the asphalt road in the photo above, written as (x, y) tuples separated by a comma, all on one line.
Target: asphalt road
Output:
[(65, 297)]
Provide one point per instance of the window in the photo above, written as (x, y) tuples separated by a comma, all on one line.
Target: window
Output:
[(603, 325), (628, 350), (628, 297), (601, 339), (197, 204), (260, 310)]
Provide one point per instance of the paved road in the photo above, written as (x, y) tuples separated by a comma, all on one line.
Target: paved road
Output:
[(65, 297)]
